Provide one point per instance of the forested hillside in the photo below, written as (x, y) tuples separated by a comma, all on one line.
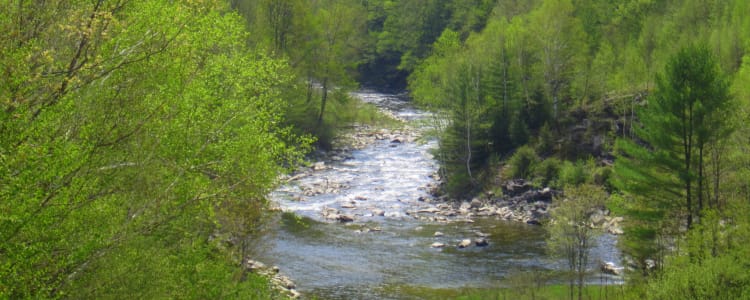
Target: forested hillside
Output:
[(648, 99)]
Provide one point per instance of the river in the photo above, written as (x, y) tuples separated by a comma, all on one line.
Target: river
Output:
[(386, 250)]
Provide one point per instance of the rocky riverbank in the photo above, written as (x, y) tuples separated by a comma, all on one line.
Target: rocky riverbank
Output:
[(520, 200), (279, 282)]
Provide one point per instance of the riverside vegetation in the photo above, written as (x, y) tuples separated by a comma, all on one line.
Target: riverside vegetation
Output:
[(139, 139)]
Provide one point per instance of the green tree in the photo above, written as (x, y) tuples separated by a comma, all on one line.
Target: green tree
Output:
[(570, 235), (561, 41), (135, 131), (686, 112)]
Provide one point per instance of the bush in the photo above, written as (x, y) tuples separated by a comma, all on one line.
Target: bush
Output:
[(601, 176), (521, 164), (572, 174), (548, 171), (722, 277)]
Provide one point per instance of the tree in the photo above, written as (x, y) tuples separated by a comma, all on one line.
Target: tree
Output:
[(570, 234), (686, 113), (138, 137), (562, 41)]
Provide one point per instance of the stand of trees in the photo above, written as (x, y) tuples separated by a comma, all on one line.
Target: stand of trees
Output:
[(138, 141), (547, 83)]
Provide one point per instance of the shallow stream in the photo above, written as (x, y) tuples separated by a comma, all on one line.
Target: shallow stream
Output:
[(386, 249)]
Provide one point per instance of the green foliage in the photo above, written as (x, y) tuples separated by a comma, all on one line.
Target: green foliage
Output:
[(548, 171), (570, 236), (718, 253), (573, 174), (723, 277), (522, 163), (686, 114), (131, 134)]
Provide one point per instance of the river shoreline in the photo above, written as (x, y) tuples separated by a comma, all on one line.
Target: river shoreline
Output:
[(371, 206)]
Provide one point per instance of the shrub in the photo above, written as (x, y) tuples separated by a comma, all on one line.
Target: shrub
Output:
[(572, 174), (521, 164), (548, 171)]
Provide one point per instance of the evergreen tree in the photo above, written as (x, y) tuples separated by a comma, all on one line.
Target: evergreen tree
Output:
[(686, 112)]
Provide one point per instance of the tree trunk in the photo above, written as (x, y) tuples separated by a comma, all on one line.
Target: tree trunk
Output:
[(323, 101), (716, 162)]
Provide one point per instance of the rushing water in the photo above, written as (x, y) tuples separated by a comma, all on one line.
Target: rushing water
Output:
[(375, 256)]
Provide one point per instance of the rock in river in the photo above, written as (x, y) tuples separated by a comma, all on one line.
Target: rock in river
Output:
[(611, 268), (481, 242), (437, 245), (464, 243), (345, 218), (319, 166)]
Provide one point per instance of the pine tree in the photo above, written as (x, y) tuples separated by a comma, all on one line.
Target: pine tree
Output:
[(684, 115)]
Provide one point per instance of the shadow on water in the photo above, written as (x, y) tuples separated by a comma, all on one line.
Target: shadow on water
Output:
[(376, 256)]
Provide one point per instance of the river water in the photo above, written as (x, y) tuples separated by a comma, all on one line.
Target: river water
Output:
[(379, 256)]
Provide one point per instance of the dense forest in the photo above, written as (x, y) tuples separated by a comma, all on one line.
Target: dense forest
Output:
[(139, 139)]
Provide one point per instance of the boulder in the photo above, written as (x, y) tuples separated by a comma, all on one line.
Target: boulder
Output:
[(438, 233), (378, 212), (437, 245), (254, 266), (611, 268), (448, 213), (347, 205), (481, 242), (650, 264), (616, 230), (430, 210), (597, 218), (345, 218), (475, 203), (286, 282), (319, 166), (516, 187), (464, 243)]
